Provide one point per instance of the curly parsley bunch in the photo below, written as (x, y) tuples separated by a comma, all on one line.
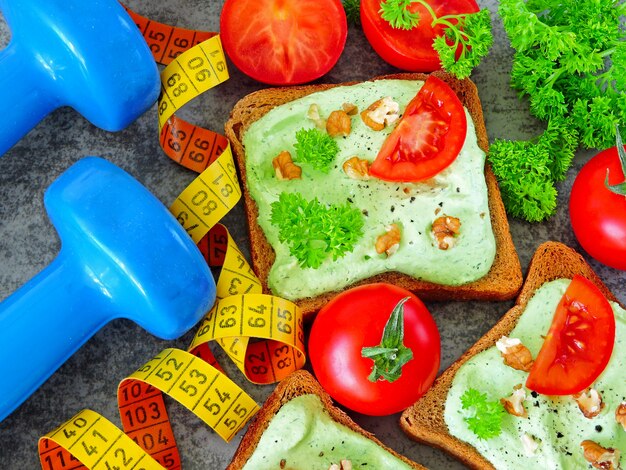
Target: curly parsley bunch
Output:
[(570, 62)]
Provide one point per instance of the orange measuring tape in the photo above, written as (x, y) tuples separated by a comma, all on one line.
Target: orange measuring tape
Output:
[(262, 334)]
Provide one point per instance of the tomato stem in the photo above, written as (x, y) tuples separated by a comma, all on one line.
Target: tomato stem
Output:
[(391, 354), (619, 188)]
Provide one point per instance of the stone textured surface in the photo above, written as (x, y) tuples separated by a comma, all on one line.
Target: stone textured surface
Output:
[(90, 377)]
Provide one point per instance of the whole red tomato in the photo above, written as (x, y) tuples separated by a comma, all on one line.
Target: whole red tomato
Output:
[(598, 215), (412, 49), (283, 42), (355, 319)]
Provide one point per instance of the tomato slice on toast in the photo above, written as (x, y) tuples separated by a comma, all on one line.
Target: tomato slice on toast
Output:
[(428, 137), (578, 345)]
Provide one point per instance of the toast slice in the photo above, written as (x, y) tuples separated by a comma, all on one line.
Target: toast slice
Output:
[(501, 283), (295, 385), (424, 421)]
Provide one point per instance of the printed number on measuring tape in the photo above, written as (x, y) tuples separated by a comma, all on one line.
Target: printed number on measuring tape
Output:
[(262, 334)]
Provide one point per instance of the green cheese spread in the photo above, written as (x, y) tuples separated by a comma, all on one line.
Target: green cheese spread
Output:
[(556, 424), (458, 191), (303, 436)]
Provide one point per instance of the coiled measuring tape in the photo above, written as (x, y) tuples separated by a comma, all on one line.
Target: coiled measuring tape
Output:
[(262, 334)]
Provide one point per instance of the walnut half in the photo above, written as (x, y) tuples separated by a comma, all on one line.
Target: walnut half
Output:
[(600, 457), (381, 113), (343, 465), (514, 353), (390, 241), (357, 168), (590, 402), (285, 168), (338, 124), (620, 414), (444, 230)]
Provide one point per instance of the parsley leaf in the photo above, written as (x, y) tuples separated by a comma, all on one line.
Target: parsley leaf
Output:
[(485, 419), (398, 15), (314, 231), (468, 32), (353, 11), (570, 61), (315, 147)]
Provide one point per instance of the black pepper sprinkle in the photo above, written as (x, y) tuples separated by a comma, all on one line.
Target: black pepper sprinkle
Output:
[(559, 435), (365, 213), (412, 199), (350, 200), (534, 394), (458, 190), (393, 208), (599, 428), (441, 204), (321, 454), (536, 404)]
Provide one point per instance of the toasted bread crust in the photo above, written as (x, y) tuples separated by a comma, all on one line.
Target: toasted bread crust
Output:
[(298, 383), (501, 283), (424, 421)]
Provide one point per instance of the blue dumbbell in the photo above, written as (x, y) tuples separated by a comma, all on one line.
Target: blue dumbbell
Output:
[(122, 255), (87, 54)]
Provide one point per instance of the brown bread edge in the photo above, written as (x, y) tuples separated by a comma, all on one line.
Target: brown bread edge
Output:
[(298, 383), (424, 421), (501, 283)]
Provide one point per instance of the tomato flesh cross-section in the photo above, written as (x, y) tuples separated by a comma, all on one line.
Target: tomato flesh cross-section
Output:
[(428, 137), (578, 345)]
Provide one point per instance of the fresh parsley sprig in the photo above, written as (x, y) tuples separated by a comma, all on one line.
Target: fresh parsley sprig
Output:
[(469, 32), (353, 11), (570, 62), (314, 231), (315, 147), (485, 418)]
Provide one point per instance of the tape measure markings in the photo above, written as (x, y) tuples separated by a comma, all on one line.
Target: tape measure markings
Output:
[(194, 378)]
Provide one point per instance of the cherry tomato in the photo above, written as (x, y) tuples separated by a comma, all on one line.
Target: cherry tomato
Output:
[(356, 319), (578, 345), (428, 137), (598, 215), (283, 42), (410, 49)]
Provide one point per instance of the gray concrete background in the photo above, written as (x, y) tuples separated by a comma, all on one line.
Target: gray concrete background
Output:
[(89, 378)]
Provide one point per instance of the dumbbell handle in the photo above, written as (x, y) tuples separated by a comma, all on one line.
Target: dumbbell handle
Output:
[(26, 100), (43, 323)]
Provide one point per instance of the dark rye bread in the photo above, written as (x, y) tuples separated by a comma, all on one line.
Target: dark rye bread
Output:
[(424, 421), (298, 383), (501, 283)]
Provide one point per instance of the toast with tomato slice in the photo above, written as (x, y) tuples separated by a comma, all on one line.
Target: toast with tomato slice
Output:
[(295, 385), (424, 421), (503, 280)]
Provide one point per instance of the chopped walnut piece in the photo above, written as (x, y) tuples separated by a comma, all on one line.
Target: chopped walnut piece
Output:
[(620, 414), (350, 109), (590, 402), (514, 405), (314, 115), (338, 124), (381, 113), (343, 465), (390, 241), (285, 168), (600, 457), (514, 353), (444, 229), (357, 168), (529, 445)]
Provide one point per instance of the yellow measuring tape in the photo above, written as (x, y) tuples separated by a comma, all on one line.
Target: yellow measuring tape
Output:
[(262, 334)]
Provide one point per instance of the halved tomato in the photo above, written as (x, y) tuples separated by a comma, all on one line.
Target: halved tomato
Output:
[(283, 42), (410, 49), (428, 137), (578, 345)]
